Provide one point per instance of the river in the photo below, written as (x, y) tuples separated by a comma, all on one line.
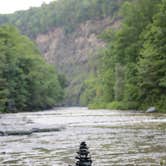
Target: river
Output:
[(114, 137)]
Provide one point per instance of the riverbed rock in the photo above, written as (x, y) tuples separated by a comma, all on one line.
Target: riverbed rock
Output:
[(41, 130), (29, 132), (2, 133), (151, 110), (18, 132)]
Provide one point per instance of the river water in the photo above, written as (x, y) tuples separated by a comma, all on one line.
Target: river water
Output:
[(114, 138)]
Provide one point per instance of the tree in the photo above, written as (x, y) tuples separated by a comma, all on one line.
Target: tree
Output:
[(152, 70), (26, 81)]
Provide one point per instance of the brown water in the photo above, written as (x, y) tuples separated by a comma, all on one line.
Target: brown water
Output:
[(114, 137)]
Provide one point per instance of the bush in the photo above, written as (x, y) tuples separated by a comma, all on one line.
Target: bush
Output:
[(122, 105), (96, 105)]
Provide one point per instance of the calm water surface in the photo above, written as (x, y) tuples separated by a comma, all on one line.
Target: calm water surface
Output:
[(114, 137)]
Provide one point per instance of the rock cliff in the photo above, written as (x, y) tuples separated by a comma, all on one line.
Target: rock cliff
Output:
[(72, 53)]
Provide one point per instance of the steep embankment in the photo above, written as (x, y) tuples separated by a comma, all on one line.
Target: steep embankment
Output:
[(73, 53)]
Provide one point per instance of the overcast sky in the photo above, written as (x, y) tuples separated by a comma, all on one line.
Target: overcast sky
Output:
[(10, 6)]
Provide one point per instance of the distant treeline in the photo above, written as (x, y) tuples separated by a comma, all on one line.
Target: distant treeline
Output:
[(62, 13), (27, 82), (132, 72)]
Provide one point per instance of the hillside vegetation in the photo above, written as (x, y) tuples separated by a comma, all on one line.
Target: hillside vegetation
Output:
[(70, 29), (132, 73), (26, 81), (129, 73), (62, 13)]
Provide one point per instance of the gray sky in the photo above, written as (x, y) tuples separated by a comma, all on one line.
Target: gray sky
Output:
[(10, 6)]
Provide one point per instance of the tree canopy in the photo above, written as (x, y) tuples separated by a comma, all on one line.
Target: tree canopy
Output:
[(62, 13), (26, 81), (132, 74)]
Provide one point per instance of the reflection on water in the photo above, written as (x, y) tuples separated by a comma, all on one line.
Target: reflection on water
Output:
[(114, 138)]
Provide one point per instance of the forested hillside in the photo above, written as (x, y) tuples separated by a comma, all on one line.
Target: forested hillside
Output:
[(132, 74), (66, 32), (111, 51), (62, 13), (26, 81)]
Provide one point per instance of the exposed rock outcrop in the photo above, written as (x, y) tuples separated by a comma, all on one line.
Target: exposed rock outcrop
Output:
[(72, 53)]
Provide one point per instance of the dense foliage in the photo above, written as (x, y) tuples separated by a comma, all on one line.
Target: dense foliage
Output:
[(26, 81), (62, 13), (132, 73), (67, 15)]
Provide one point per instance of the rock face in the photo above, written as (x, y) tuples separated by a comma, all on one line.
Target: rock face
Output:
[(72, 53)]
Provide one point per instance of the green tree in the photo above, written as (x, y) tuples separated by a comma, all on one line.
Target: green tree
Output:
[(125, 62), (26, 81), (152, 70), (64, 13)]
